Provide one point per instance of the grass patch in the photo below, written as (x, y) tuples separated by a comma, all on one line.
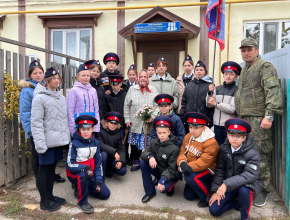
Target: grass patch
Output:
[(15, 207)]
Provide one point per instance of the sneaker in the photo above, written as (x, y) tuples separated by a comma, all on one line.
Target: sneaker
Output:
[(59, 200), (58, 178), (260, 201), (202, 204), (87, 208), (50, 206), (136, 166), (170, 193)]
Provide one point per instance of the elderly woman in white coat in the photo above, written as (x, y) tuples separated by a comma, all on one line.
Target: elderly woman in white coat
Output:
[(138, 95), (49, 127)]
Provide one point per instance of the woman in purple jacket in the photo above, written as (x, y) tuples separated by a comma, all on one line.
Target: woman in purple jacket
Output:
[(82, 99)]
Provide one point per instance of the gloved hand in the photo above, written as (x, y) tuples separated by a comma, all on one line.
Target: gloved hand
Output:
[(98, 187), (89, 173), (186, 169)]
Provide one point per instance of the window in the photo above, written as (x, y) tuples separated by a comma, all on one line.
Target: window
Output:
[(73, 42), (270, 35)]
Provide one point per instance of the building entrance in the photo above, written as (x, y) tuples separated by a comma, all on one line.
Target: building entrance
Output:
[(172, 58)]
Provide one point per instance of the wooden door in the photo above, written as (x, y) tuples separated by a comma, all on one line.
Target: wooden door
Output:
[(172, 59)]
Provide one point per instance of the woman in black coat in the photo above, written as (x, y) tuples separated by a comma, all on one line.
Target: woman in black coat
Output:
[(194, 96), (95, 72)]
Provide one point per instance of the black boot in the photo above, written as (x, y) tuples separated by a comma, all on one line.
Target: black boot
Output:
[(58, 179), (108, 174), (76, 192), (170, 193), (202, 204), (147, 198), (87, 208)]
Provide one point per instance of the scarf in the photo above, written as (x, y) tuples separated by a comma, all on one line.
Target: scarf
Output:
[(146, 86)]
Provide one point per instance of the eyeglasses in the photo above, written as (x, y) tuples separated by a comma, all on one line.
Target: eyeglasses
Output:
[(236, 136)]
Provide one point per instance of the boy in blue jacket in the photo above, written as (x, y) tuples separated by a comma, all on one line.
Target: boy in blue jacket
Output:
[(164, 102), (84, 164)]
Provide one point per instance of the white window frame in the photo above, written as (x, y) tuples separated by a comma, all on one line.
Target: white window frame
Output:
[(65, 31), (262, 26)]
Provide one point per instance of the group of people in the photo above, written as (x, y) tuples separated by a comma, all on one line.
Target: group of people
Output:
[(225, 169)]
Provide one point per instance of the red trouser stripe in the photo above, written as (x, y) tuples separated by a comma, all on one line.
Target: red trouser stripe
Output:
[(171, 187), (251, 200), (196, 179), (78, 183)]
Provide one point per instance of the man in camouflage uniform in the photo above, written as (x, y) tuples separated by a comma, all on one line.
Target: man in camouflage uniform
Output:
[(257, 100)]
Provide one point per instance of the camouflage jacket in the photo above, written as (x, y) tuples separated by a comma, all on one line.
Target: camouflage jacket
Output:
[(259, 92)]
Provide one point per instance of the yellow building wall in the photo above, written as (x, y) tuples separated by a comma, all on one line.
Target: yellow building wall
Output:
[(10, 29), (106, 31)]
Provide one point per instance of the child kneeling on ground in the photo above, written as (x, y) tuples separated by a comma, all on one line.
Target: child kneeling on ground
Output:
[(197, 158), (236, 182), (112, 147), (159, 159), (84, 164)]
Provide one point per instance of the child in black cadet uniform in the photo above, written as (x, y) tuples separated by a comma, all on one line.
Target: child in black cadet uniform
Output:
[(194, 96), (112, 147), (236, 182), (164, 102), (95, 81), (111, 60), (159, 159), (49, 128), (132, 78), (184, 79), (151, 69), (115, 100), (223, 99), (84, 164)]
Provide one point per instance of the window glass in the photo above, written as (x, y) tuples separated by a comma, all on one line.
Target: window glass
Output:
[(71, 46), (270, 37), (285, 34), (253, 31), (57, 45), (85, 44)]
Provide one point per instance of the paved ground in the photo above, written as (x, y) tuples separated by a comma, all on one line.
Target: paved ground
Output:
[(128, 190)]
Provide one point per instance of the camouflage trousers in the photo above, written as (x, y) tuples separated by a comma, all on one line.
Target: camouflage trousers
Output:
[(263, 144)]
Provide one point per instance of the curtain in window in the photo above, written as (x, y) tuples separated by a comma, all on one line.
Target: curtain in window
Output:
[(57, 45), (270, 37), (85, 44), (71, 46)]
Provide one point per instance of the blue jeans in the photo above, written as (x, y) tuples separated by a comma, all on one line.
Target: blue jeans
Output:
[(147, 179), (242, 196), (220, 134)]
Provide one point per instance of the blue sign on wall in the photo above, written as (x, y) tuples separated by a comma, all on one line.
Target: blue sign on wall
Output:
[(157, 27)]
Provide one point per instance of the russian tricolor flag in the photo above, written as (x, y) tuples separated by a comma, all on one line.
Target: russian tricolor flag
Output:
[(211, 22)]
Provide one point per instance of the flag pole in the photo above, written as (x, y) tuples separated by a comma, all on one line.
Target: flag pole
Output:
[(217, 11)]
